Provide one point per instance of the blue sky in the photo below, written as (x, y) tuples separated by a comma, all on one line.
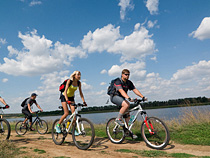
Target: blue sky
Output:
[(165, 44)]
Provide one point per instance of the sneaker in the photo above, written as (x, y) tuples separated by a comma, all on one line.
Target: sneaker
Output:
[(75, 132), (119, 122), (32, 129), (135, 136), (58, 129)]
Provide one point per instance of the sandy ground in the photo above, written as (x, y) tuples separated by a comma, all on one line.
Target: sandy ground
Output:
[(101, 148)]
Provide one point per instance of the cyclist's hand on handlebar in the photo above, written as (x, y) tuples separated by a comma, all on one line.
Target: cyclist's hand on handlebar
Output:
[(68, 102), (41, 110), (84, 103), (131, 99), (6, 106), (144, 99)]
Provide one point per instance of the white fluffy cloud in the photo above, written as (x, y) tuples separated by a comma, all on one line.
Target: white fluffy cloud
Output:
[(151, 24), (103, 71), (101, 39), (137, 45), (125, 5), (197, 71), (38, 56), (136, 69), (203, 31), (134, 46), (4, 80), (152, 6)]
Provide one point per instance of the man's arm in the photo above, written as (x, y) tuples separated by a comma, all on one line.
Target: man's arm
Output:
[(136, 91), (122, 92), (38, 106)]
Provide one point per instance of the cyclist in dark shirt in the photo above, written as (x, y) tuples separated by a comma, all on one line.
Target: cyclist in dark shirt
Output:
[(27, 109), (120, 96)]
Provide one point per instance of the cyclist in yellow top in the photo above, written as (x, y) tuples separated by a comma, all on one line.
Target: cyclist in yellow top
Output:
[(67, 97)]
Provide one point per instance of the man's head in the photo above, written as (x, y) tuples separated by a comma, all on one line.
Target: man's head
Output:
[(33, 96), (125, 74)]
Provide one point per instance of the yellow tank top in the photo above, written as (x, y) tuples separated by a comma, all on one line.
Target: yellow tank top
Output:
[(71, 90)]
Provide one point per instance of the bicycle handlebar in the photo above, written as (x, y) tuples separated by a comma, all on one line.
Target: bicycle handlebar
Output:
[(38, 111), (76, 105), (5, 107)]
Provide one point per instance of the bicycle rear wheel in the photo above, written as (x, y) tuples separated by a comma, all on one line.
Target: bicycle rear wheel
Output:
[(21, 128), (114, 132), (86, 133), (159, 138), (58, 138), (5, 129), (42, 126)]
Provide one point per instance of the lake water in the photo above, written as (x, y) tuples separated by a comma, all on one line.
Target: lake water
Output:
[(165, 113)]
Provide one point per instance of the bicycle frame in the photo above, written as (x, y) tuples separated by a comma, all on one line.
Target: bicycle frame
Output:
[(71, 118), (36, 119), (144, 117)]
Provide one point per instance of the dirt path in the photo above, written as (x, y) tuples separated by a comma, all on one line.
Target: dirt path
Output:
[(102, 148)]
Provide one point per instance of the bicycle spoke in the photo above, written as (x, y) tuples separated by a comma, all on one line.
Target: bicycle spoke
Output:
[(114, 131), (4, 129), (158, 137), (83, 134)]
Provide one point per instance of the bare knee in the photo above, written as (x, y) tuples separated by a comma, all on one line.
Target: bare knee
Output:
[(125, 104)]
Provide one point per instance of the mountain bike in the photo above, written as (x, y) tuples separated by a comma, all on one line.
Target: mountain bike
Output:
[(5, 128), (83, 126), (153, 130), (41, 125)]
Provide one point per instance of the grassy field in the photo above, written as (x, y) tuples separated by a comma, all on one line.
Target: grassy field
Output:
[(191, 128)]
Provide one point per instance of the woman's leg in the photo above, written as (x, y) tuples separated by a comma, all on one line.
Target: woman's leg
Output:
[(66, 112)]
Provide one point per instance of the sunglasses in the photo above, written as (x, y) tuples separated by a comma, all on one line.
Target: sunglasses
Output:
[(126, 74)]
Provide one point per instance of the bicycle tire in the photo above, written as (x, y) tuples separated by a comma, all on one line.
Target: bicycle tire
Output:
[(115, 132), (42, 126), (86, 138), (161, 137), (20, 129), (58, 138), (5, 129)]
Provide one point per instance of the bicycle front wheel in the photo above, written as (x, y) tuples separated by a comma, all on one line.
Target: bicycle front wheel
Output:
[(156, 135), (83, 133), (58, 138), (20, 128), (5, 129), (114, 132), (42, 126)]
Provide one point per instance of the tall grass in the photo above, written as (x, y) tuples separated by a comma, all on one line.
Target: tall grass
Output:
[(193, 127)]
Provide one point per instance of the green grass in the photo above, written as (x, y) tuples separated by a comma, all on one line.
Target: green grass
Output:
[(39, 151), (158, 153), (197, 134), (8, 149)]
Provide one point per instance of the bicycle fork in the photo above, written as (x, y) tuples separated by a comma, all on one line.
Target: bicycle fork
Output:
[(151, 130)]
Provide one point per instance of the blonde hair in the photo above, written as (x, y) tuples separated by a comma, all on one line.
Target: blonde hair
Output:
[(72, 76)]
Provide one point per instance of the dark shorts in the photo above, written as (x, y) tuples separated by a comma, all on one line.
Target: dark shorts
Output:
[(27, 114), (117, 100), (63, 99)]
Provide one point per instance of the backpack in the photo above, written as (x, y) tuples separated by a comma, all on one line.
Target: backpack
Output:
[(111, 89), (24, 102), (63, 85)]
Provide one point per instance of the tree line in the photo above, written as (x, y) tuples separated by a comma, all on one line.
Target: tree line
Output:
[(155, 104)]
